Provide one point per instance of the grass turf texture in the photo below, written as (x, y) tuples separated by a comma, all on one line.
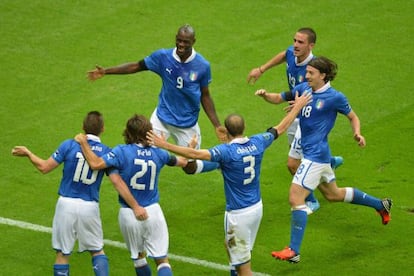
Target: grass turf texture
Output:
[(47, 47)]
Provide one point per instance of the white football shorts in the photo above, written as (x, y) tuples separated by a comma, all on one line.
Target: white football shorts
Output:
[(310, 174), (149, 236), (77, 219), (295, 150), (292, 130), (181, 136), (240, 228)]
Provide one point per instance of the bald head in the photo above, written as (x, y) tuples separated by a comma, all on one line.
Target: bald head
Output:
[(234, 124)]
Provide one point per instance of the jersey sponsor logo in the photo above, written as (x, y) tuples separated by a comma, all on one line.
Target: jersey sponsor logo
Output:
[(168, 70)]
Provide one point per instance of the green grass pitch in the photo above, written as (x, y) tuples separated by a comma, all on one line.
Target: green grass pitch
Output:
[(47, 46)]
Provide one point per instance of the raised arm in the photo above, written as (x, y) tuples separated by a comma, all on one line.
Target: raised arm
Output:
[(256, 73), (127, 68), (95, 162), (210, 110), (356, 128), (44, 166), (274, 98)]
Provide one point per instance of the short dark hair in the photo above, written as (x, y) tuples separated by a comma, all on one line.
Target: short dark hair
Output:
[(310, 33), (93, 123), (187, 29), (234, 124), (136, 130), (326, 66)]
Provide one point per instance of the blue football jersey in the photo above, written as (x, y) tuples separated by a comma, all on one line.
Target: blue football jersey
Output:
[(295, 72), (240, 163), (318, 118), (139, 167), (179, 98), (78, 180)]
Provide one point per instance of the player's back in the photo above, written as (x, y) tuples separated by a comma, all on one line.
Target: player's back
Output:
[(78, 180), (240, 163), (139, 167)]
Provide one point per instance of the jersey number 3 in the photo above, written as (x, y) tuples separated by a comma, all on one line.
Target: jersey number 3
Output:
[(250, 162)]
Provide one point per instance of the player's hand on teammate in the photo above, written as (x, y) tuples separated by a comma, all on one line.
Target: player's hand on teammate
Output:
[(96, 73), (155, 140), (81, 138), (302, 100)]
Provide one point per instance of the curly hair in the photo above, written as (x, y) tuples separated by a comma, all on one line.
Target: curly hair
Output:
[(136, 130)]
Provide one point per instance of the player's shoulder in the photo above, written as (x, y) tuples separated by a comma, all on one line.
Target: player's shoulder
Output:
[(289, 51), (162, 52), (303, 86), (201, 58)]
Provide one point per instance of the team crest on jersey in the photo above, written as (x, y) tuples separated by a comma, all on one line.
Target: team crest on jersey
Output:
[(319, 104), (300, 79), (193, 76)]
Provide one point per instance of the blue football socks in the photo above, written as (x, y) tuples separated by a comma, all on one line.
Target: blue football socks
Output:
[(61, 269), (298, 225), (100, 265), (365, 199)]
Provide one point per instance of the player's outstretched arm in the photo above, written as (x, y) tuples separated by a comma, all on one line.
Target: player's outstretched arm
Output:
[(187, 152), (257, 72), (44, 166), (127, 68), (274, 98)]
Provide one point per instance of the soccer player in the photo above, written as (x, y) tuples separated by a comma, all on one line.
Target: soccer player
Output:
[(316, 121), (240, 162), (139, 165), (185, 76), (77, 215), (296, 58)]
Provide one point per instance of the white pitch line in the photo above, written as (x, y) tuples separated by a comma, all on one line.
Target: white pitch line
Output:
[(44, 229)]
